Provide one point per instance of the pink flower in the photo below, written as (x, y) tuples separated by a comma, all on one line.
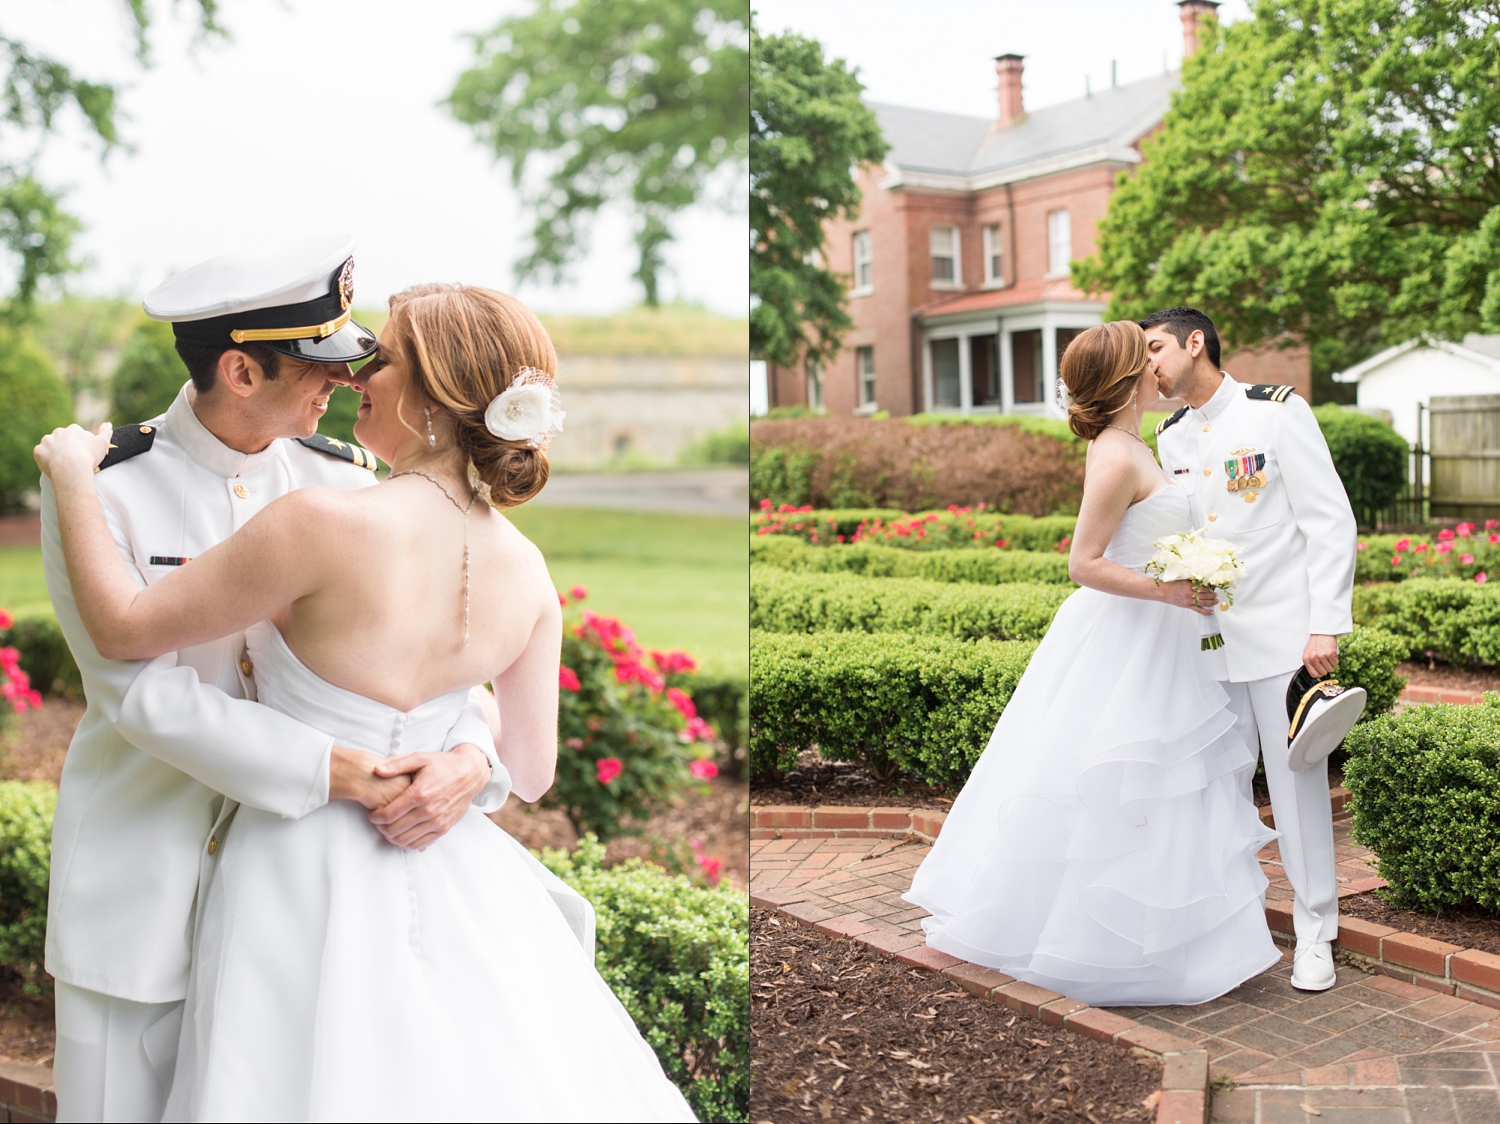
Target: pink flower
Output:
[(674, 662), (1062, 546), (711, 867), (698, 731), (6, 620), (1466, 559), (1464, 529), (1494, 537), (1396, 560), (608, 768), (704, 770), (1445, 534), (765, 505), (578, 592), (562, 599), (567, 679), (1445, 548), (682, 702), (1491, 524), (1421, 546), (1402, 544), (1361, 546), (574, 743), (1481, 577)]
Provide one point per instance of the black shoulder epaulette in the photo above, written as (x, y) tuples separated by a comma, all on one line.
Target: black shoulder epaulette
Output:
[(1167, 423), (127, 441), (1268, 392), (333, 447)]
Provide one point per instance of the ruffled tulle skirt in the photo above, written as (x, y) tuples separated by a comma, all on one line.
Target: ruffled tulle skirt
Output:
[(1105, 845)]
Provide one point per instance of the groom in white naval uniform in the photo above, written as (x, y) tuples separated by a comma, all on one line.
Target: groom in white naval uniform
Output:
[(1259, 474), (167, 749)]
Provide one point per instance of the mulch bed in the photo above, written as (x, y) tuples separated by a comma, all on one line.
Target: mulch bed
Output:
[(1466, 929), (26, 1033), (840, 1032), (1431, 673), (815, 781)]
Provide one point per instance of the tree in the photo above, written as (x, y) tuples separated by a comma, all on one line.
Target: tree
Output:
[(635, 99), (149, 375), (33, 402), (1329, 173), (35, 231), (809, 132)]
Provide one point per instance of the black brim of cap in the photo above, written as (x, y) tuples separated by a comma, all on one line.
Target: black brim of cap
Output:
[(349, 344)]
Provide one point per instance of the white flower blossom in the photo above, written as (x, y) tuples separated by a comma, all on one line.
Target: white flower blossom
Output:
[(1193, 557)]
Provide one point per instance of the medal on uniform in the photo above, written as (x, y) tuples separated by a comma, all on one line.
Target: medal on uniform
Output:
[(1245, 472)]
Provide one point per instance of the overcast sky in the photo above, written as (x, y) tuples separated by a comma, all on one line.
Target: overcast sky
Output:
[(939, 54), (321, 116)]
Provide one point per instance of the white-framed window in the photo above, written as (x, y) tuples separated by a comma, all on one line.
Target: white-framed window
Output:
[(946, 376), (943, 241), (864, 275), (994, 262), (1059, 241), (814, 385), (864, 376)]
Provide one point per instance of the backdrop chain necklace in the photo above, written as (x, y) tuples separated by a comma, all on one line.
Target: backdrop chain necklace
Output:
[(465, 510)]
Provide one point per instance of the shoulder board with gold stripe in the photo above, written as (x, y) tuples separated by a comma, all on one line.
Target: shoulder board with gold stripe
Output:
[(1268, 392), (127, 441), (1168, 422), (333, 447)]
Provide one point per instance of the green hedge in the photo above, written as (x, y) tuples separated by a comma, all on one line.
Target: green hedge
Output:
[(723, 701), (781, 601), (45, 656), (677, 955), (1369, 456), (924, 705), (929, 530), (978, 566), (1426, 788), (25, 857), (1452, 619)]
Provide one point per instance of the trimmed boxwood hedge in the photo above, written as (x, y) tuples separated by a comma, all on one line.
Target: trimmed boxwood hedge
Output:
[(1452, 619), (982, 567), (1426, 788), (781, 601), (926, 705)]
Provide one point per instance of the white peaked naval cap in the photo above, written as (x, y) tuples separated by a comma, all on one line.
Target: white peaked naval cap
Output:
[(293, 297)]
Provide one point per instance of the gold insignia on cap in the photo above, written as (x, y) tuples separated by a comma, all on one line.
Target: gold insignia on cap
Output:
[(346, 285)]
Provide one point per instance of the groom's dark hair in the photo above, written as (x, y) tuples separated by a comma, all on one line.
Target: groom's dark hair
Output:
[(203, 362), (1182, 322)]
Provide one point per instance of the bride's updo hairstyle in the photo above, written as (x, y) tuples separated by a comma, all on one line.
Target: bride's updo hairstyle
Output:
[(1100, 369), (462, 346)]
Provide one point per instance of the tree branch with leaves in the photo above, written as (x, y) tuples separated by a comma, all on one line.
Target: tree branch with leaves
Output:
[(809, 133)]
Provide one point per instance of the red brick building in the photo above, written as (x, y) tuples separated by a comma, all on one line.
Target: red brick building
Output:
[(959, 259)]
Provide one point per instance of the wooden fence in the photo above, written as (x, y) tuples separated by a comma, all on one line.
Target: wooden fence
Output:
[(1465, 457)]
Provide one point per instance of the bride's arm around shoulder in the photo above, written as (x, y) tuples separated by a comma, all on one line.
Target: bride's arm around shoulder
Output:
[(240, 581)]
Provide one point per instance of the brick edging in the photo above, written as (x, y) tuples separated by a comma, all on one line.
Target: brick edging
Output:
[(1449, 969), (26, 1092), (1184, 1094)]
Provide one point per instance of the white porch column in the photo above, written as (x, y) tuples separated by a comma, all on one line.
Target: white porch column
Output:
[(965, 377), (1049, 368), (1007, 372), (926, 403)]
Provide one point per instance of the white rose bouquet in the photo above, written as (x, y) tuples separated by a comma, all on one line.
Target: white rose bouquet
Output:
[(1191, 556)]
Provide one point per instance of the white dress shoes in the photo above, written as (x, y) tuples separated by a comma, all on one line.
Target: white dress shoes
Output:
[(1312, 966)]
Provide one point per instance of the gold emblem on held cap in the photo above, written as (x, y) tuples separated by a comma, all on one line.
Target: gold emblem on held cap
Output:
[(346, 285)]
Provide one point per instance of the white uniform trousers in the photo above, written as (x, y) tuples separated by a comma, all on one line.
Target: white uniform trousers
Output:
[(1300, 802), (115, 1057)]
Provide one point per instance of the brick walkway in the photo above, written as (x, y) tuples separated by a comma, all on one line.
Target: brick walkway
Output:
[(1372, 1049)]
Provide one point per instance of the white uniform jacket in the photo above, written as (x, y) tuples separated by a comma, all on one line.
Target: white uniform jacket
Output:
[(168, 748), (1258, 472)]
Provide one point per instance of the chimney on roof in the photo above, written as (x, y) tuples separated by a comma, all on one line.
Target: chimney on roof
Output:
[(1008, 68), (1192, 12)]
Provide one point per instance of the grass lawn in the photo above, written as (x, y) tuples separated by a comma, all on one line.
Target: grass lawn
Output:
[(680, 581), (23, 590)]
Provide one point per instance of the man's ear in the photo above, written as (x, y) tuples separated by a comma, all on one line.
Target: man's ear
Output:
[(1195, 344), (239, 373)]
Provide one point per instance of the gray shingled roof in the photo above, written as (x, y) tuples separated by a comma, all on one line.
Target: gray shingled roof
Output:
[(928, 141)]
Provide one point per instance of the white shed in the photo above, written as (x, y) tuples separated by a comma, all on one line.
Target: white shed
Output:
[(1401, 378)]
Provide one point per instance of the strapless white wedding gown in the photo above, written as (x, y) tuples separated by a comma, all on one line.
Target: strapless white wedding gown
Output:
[(1103, 846), (336, 977)]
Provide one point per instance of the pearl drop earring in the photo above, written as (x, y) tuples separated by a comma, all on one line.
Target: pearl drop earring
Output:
[(431, 437)]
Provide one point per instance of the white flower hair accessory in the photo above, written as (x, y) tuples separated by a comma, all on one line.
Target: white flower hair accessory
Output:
[(529, 410)]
